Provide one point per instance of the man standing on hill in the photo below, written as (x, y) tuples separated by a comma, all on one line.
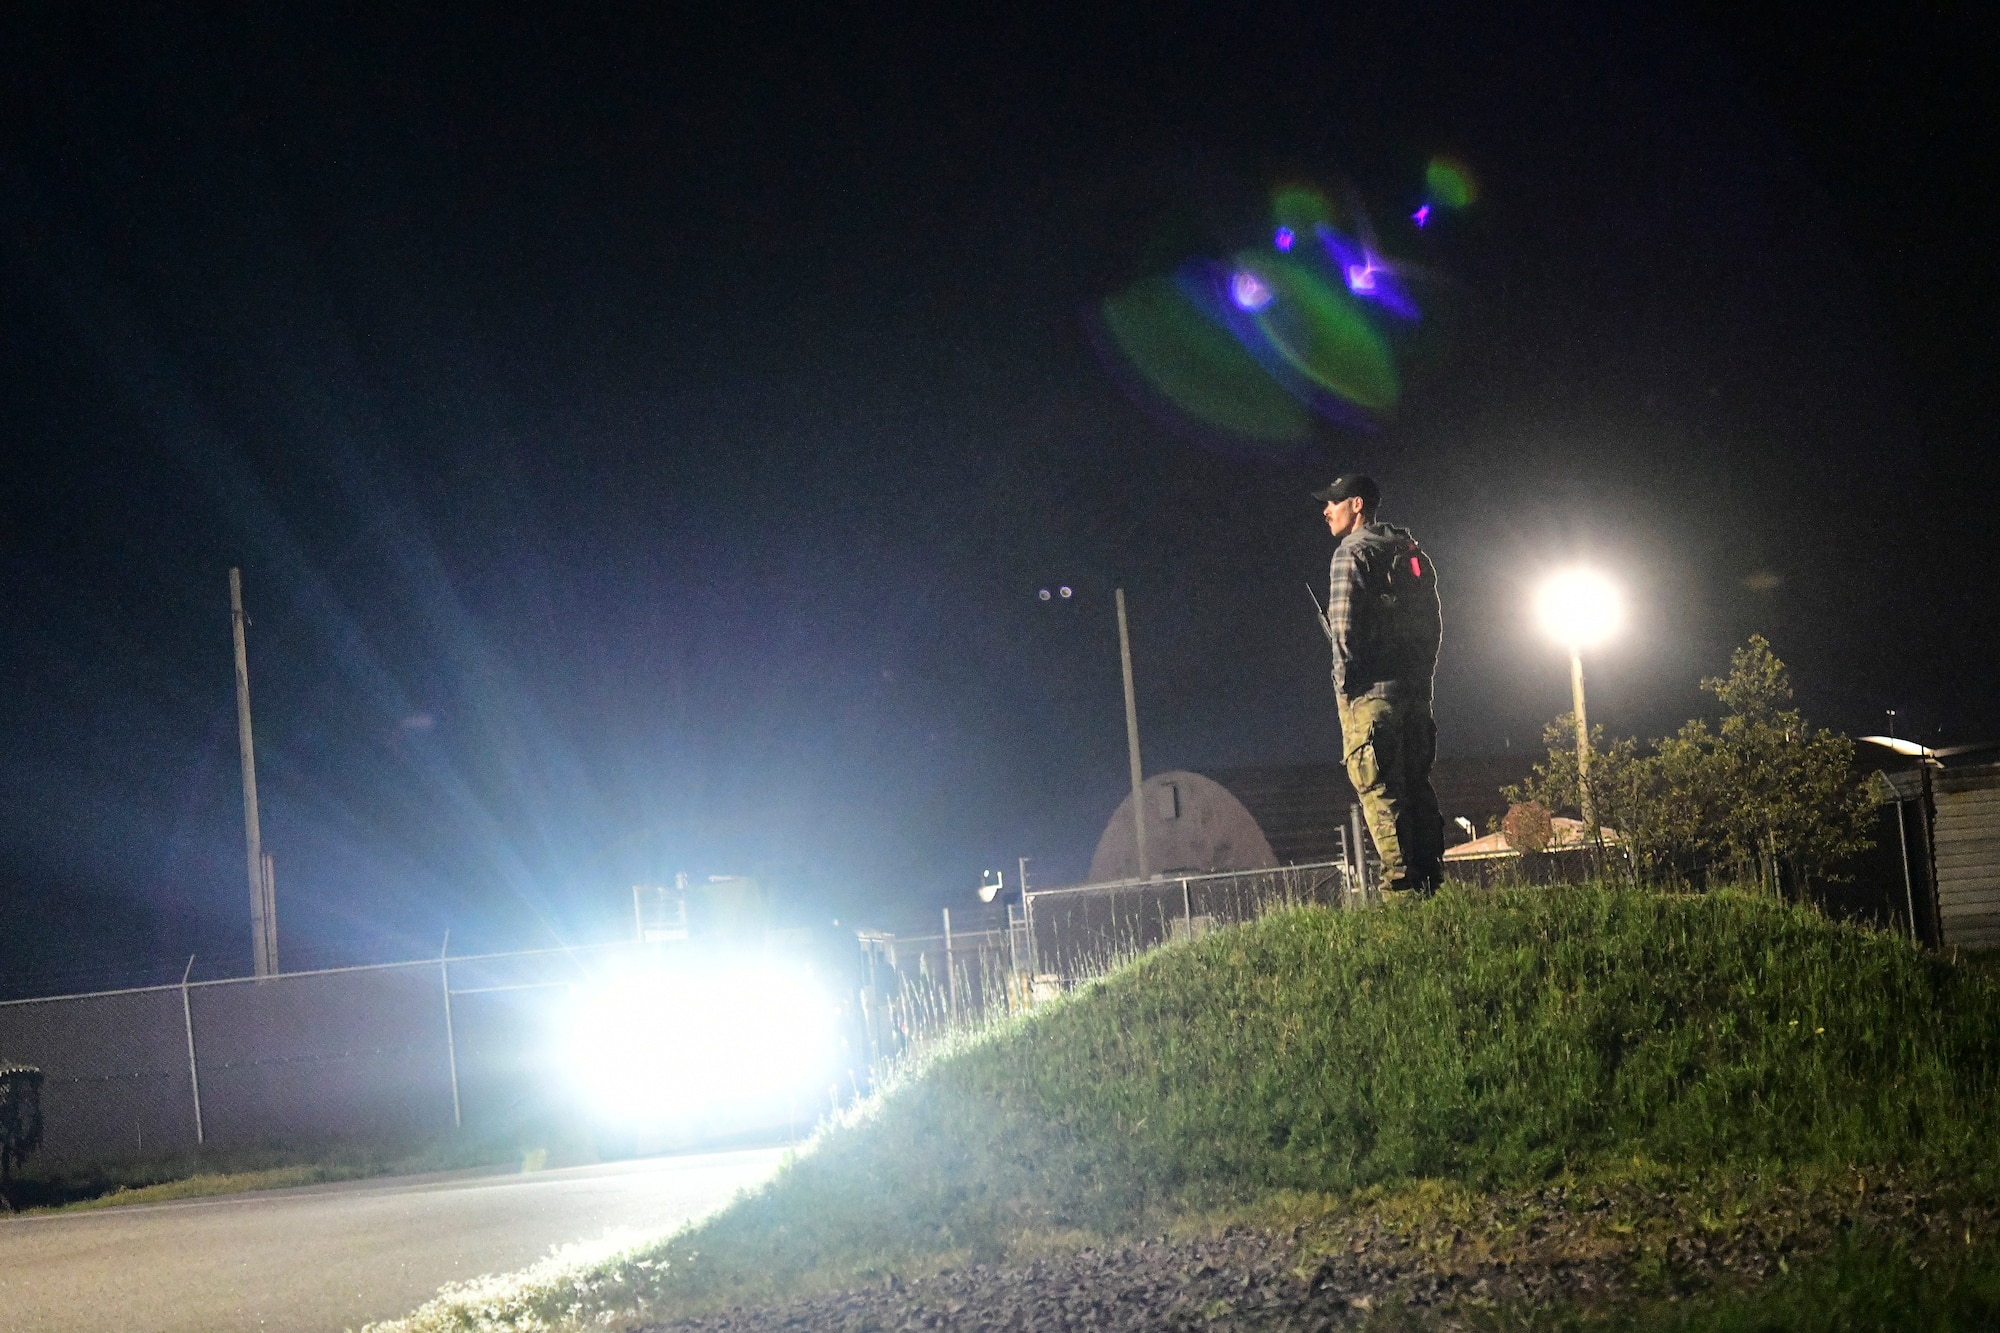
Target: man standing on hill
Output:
[(1383, 622)]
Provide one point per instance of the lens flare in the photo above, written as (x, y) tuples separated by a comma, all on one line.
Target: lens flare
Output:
[(1367, 274), (1248, 292), (1260, 342), (1324, 335), (1300, 208), (1451, 183), (1187, 354)]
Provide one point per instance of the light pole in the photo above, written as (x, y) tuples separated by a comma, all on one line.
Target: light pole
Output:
[(1579, 609)]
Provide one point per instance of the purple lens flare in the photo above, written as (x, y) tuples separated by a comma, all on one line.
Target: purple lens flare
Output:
[(1421, 216), (1248, 291), (1367, 274), (1284, 238)]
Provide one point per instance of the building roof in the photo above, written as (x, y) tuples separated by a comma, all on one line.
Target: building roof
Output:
[(1566, 835)]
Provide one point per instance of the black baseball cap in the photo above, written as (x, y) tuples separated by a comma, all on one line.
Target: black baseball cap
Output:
[(1349, 486)]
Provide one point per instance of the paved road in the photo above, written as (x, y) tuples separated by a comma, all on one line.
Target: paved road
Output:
[(331, 1257)]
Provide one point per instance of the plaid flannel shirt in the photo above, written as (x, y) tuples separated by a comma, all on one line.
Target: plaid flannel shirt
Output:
[(1343, 590), (1348, 601)]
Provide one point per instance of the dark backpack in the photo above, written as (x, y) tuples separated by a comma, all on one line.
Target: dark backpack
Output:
[(1411, 622)]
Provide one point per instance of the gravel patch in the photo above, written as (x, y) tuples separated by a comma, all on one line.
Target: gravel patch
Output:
[(1576, 1248), (1238, 1280)]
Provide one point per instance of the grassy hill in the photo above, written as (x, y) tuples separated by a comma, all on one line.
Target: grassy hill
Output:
[(1713, 1047)]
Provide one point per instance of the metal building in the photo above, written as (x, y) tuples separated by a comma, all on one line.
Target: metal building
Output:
[(1958, 807)]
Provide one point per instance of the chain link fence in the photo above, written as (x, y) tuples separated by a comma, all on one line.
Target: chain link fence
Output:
[(390, 1054), (1082, 931), (919, 988)]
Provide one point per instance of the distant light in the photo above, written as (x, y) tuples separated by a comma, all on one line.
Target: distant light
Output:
[(1579, 608), (1065, 591), (1283, 240), (1421, 216), (1043, 594), (1248, 291)]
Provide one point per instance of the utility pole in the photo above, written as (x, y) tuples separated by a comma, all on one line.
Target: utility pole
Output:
[(261, 927), (1132, 738)]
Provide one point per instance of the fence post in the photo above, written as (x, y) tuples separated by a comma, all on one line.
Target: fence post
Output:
[(1358, 854), (450, 1040), (1013, 960), (1187, 908), (194, 1075), (950, 973)]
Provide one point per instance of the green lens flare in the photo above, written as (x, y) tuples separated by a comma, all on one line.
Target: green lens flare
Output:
[(1300, 209), (1450, 182), (1323, 334), (1197, 365)]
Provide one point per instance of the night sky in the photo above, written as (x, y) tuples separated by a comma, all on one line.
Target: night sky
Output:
[(644, 438)]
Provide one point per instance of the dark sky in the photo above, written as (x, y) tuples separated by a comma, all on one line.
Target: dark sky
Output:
[(644, 437)]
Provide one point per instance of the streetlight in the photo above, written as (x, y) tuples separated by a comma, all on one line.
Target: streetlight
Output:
[(1579, 609)]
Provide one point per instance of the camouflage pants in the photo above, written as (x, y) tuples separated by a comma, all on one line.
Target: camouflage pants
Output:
[(1391, 744)]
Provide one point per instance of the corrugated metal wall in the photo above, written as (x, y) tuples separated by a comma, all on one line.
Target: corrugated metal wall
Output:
[(1968, 856)]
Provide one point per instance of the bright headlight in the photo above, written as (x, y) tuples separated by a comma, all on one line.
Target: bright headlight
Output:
[(712, 1046)]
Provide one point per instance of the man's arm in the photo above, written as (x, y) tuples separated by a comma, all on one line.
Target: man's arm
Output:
[(1343, 591)]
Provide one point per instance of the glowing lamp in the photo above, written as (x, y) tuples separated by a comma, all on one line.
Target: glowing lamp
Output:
[(1578, 608)]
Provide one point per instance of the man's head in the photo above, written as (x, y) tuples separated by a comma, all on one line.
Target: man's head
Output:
[(1350, 501)]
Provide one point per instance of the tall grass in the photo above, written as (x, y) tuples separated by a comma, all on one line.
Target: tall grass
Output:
[(1492, 1040), (1496, 1039)]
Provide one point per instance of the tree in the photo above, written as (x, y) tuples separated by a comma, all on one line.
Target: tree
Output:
[(1793, 800), (1760, 795), (1528, 827)]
